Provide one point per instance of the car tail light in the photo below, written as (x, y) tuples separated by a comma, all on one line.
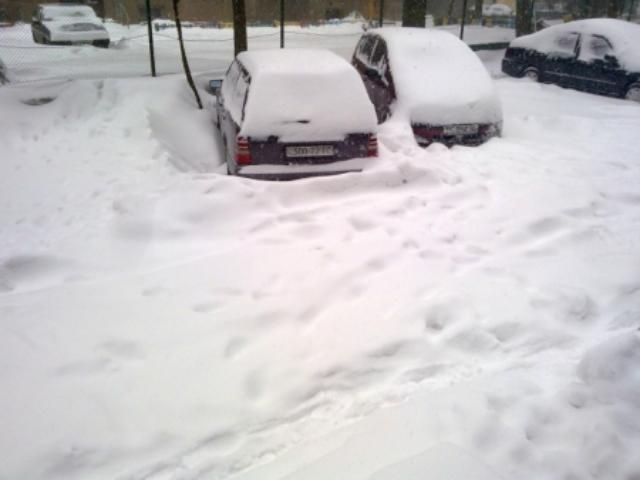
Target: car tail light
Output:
[(243, 154), (428, 132), (372, 146)]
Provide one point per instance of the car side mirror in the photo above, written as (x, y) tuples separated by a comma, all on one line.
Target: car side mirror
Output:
[(214, 86)]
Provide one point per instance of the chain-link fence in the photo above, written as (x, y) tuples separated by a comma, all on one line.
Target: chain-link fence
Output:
[(30, 54)]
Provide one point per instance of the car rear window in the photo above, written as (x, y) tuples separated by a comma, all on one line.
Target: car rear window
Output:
[(53, 12)]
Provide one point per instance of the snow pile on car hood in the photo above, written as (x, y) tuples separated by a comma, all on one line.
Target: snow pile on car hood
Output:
[(438, 79), (304, 95), (624, 37)]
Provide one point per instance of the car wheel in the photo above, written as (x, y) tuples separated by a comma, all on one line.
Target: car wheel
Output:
[(101, 43), (35, 38), (532, 74), (633, 93)]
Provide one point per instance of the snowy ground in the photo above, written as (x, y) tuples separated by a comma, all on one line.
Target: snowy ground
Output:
[(209, 50), (471, 313)]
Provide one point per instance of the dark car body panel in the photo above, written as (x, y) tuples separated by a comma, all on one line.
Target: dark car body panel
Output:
[(40, 32), (378, 81), (599, 76)]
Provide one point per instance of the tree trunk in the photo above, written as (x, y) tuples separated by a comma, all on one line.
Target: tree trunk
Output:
[(413, 13), (183, 53), (239, 26), (613, 8), (477, 12), (524, 17), (450, 11)]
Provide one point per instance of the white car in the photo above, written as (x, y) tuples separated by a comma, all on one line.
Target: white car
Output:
[(67, 24)]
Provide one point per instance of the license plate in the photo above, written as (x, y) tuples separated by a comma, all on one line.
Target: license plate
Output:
[(461, 129), (306, 151)]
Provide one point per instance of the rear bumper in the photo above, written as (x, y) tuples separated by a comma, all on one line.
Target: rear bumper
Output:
[(70, 38), (297, 171), (485, 132)]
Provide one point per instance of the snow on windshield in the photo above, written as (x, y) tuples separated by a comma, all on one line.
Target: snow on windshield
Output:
[(438, 79), (304, 95)]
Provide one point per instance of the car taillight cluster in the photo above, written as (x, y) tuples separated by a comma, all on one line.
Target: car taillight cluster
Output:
[(428, 132), (243, 154), (372, 146)]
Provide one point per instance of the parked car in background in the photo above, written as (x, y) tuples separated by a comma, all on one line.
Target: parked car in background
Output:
[(497, 10), (431, 79), (597, 55), (68, 24), (294, 113)]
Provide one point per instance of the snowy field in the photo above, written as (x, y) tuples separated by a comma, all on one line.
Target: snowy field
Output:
[(464, 313), (209, 50)]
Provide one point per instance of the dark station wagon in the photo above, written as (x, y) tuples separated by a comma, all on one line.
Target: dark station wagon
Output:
[(599, 56), (286, 114)]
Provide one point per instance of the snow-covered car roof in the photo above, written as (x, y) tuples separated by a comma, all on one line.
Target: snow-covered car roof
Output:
[(55, 11), (623, 36), (299, 94), (438, 79)]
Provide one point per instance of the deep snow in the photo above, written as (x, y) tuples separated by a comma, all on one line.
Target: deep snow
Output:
[(473, 311)]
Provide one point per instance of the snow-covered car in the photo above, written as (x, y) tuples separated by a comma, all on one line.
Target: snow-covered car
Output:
[(287, 114), (596, 55), (431, 79), (162, 24), (68, 24)]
